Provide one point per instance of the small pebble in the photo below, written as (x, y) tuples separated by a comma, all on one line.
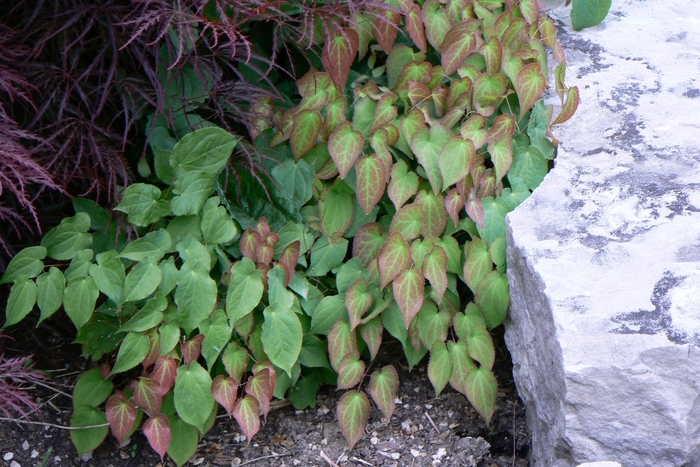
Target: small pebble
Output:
[(236, 461), (198, 461), (415, 452), (440, 454), (86, 457), (57, 459), (15, 464), (8, 456), (374, 440), (428, 406), (296, 462), (34, 454), (25, 445), (343, 458)]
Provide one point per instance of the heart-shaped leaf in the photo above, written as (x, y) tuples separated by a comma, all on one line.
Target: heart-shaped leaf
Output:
[(147, 395), (455, 160), (380, 141), (432, 326), (235, 360), (464, 323), (350, 371), (408, 221), (439, 367), (408, 290), (530, 85), (492, 297), (482, 390), (341, 342), (247, 414), (480, 346), (384, 387), (164, 373), (435, 270), (371, 181), (193, 398), (569, 107), (307, 126), (434, 213), (427, 145), (385, 112), (191, 349), (414, 25), (345, 145), (586, 14), (454, 203), (353, 413), (339, 52), (462, 364), (87, 439), (258, 386), (403, 184), (372, 330), (157, 431), (418, 93), (474, 129), (475, 210), (436, 23), (459, 42), (358, 300), (121, 415), (368, 242), (501, 155), (394, 258), (386, 28)]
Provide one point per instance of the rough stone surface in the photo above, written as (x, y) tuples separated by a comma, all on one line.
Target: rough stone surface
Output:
[(604, 258)]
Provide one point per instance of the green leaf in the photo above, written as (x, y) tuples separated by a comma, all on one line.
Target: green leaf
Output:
[(305, 130), (91, 389), (314, 353), (477, 264), (363, 116), (79, 265), (394, 323), (464, 323), (235, 361), (495, 219), (142, 281), (353, 413), (329, 311), (501, 155), (87, 440), (109, 275), (193, 189), (569, 107), (529, 167), (408, 221), (183, 440), (148, 317), (348, 273), (530, 85), (50, 286), (181, 228), (142, 205), (482, 391), (412, 355), (303, 393), (326, 254), (462, 364), (492, 297), (432, 325), (589, 13), (205, 150), (151, 247), (338, 53), (195, 297), (408, 290), (399, 56), (435, 270), (436, 23), (27, 262), (336, 209), (434, 213), (371, 181), (345, 145), (394, 258), (384, 387), (245, 290), (368, 242), (439, 367), (132, 351), (217, 333), (217, 225), (457, 44), (455, 160), (170, 275), (194, 254), (487, 90), (403, 184), (297, 180), (358, 300), (68, 238), (169, 336), (79, 300), (21, 301), (193, 397), (427, 146), (282, 336), (480, 346)]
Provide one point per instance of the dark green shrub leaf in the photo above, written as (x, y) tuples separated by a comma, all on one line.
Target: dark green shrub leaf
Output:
[(183, 440), (217, 333), (589, 13), (326, 254), (87, 440), (439, 367), (79, 265), (132, 351), (193, 189), (353, 413), (297, 180), (195, 297), (482, 391), (193, 397), (50, 287), (336, 209), (282, 337), (314, 353), (394, 323), (142, 205), (151, 246), (529, 167), (303, 393), (109, 275), (91, 389), (21, 301), (148, 317), (27, 262), (495, 211), (83, 295), (329, 311), (492, 297), (245, 290), (142, 281), (205, 150)]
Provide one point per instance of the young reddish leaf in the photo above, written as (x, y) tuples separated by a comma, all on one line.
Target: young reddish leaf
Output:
[(357, 300), (432, 325), (487, 184), (435, 270), (191, 349), (247, 414), (513, 31), (530, 10), (265, 253), (504, 125), (258, 386), (439, 96), (420, 72), (474, 129), (338, 54), (157, 431), (341, 342), (408, 221), (345, 145), (482, 390), (271, 373), (439, 367), (350, 371), (501, 155), (394, 258), (408, 289), (403, 184), (475, 210), (164, 373), (548, 31), (454, 202), (487, 90), (418, 93), (385, 112), (250, 242), (153, 348), (434, 213), (147, 395), (121, 415), (225, 391), (235, 361), (459, 95), (570, 106), (284, 129), (307, 126), (379, 141), (455, 160), (353, 413), (371, 333), (480, 346), (289, 259), (384, 387), (371, 181), (419, 249), (335, 114), (368, 242), (386, 27), (462, 364), (436, 22), (457, 47), (415, 27), (427, 145), (493, 53), (530, 85), (411, 123)]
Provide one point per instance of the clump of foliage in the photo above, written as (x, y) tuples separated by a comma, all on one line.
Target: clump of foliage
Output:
[(382, 208)]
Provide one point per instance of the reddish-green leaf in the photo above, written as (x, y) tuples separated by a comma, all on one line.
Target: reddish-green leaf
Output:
[(439, 96), (157, 431), (432, 325), (121, 415), (418, 93), (501, 155), (335, 114), (225, 391), (289, 259), (480, 346), (399, 56), (504, 125), (414, 25), (427, 145), (408, 289), (530, 85), (305, 130), (487, 90), (338, 54), (464, 323), (408, 221), (493, 298), (475, 210), (434, 213), (368, 242), (380, 143), (353, 413), (419, 249), (341, 342), (492, 52), (271, 373), (384, 387), (249, 244), (459, 42), (235, 361), (247, 414), (420, 72), (435, 270), (386, 29), (385, 112), (365, 32), (357, 300), (455, 160), (462, 364), (191, 348), (454, 203), (258, 386), (403, 184), (474, 129), (394, 258), (459, 95), (147, 395), (371, 333), (439, 367), (350, 371), (371, 181), (482, 391), (345, 146), (436, 22), (478, 263), (530, 10), (570, 106)]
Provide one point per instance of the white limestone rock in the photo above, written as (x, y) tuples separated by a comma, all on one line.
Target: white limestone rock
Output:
[(604, 258)]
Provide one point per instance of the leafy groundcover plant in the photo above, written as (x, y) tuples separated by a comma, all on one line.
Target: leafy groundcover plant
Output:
[(390, 179)]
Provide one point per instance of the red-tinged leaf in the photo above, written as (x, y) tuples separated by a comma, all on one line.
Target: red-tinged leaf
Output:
[(394, 258), (235, 360), (435, 270), (456, 160), (480, 346), (504, 125), (487, 185), (408, 221), (434, 213), (462, 364), (501, 155), (289, 259), (350, 371), (157, 431), (353, 413), (478, 263), (452, 117), (414, 25), (409, 288), (413, 335), (436, 22), (247, 414), (410, 124), (345, 145), (265, 253), (493, 53), (454, 203), (419, 249), (548, 32), (439, 367), (371, 333), (164, 373), (312, 82), (380, 143), (258, 386), (147, 395), (249, 244), (385, 112), (487, 90), (399, 56), (371, 181), (432, 325), (225, 391), (307, 126), (191, 349), (439, 96), (384, 387), (475, 211), (357, 301), (456, 50), (271, 373), (502, 22), (418, 93), (393, 132), (338, 54), (420, 72), (460, 93), (482, 391), (368, 242), (284, 129), (335, 114), (530, 85), (464, 323), (474, 129), (121, 415), (530, 10), (341, 342), (386, 27), (570, 106), (403, 184)]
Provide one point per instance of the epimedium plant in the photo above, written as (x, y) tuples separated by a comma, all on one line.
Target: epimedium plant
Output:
[(384, 210)]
